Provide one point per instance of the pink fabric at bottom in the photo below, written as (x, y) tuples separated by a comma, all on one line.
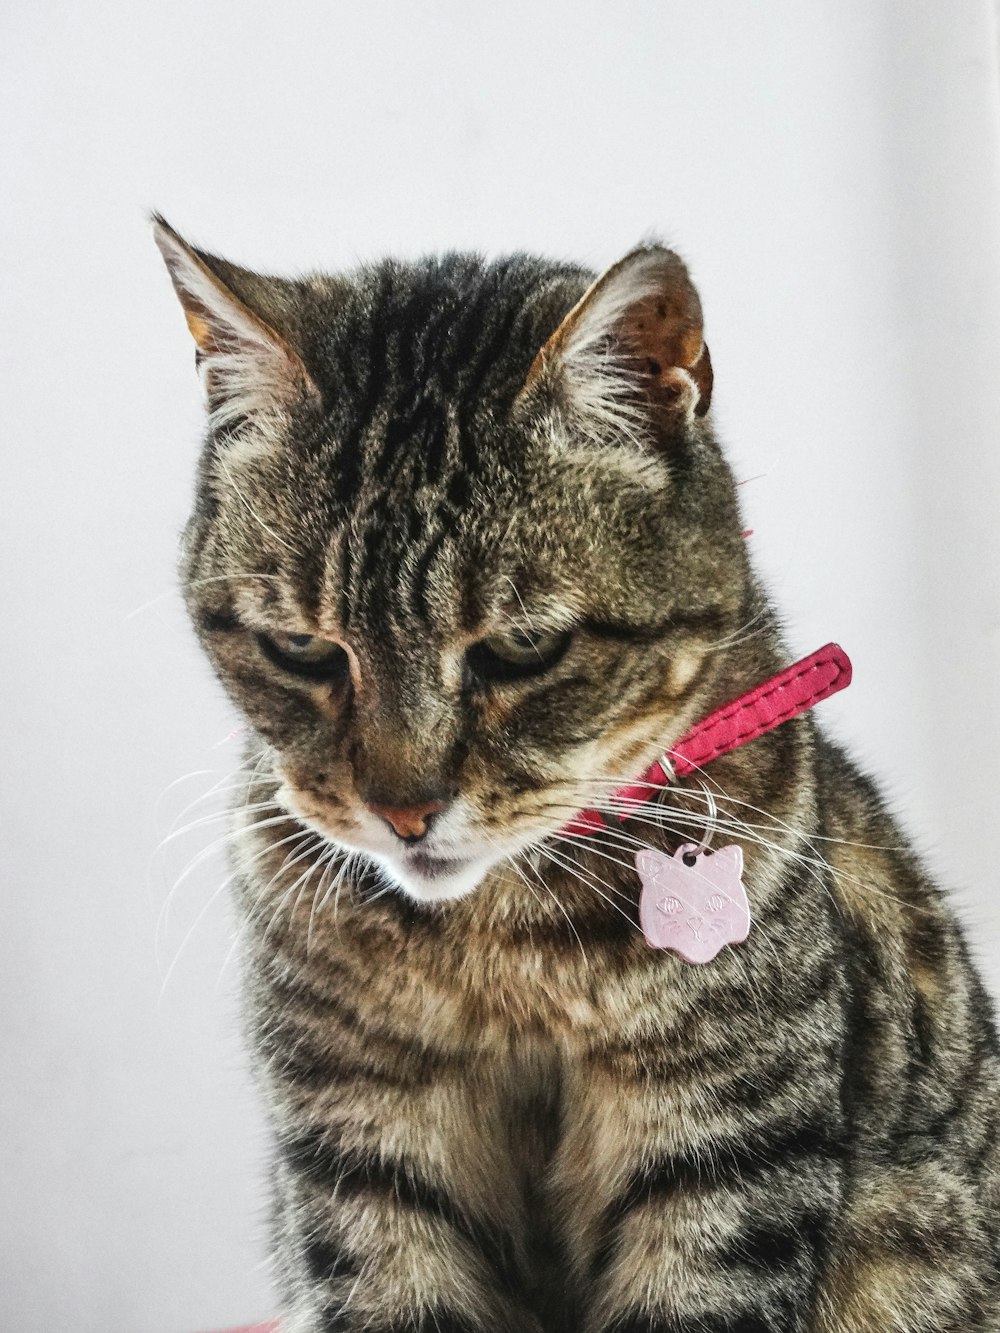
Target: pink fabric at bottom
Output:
[(253, 1328)]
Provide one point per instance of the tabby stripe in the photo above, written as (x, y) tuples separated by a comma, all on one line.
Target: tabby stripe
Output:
[(965, 1083), (416, 353), (927, 940), (419, 579), (864, 972), (726, 1164), (310, 1068), (770, 1246), (406, 340), (348, 478), (326, 1262), (349, 460), (421, 424), (349, 1172), (755, 1083), (731, 1165), (929, 1240), (374, 553), (468, 440), (983, 1159), (748, 1089), (435, 444), (459, 342), (492, 351), (287, 997), (695, 623), (612, 927), (458, 489), (218, 622)]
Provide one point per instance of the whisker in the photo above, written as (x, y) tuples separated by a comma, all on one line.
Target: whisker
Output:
[(555, 898), (175, 590), (217, 817), (654, 814), (288, 861), (206, 852), (511, 863), (337, 883), (163, 918), (217, 789), (814, 864), (328, 857), (589, 878), (738, 636), (221, 462), (194, 926), (295, 889), (613, 781)]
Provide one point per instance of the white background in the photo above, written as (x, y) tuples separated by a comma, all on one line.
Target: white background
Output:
[(830, 169)]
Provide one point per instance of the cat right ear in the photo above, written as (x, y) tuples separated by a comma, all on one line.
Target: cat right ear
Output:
[(631, 353), (248, 369)]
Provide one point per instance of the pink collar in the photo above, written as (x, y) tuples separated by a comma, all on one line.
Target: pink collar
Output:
[(760, 710)]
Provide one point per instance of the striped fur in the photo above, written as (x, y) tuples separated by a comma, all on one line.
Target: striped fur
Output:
[(495, 1109)]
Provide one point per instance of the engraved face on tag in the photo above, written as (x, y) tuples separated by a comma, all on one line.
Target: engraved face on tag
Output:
[(693, 902)]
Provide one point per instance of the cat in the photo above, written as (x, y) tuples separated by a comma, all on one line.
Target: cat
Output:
[(466, 554)]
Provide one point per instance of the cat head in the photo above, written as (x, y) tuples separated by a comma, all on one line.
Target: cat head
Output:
[(463, 542)]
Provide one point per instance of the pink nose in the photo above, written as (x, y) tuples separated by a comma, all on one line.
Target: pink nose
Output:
[(409, 822)]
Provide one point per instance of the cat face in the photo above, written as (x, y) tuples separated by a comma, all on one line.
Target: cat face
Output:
[(463, 542)]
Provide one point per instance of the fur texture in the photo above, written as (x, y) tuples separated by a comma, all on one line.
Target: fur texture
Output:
[(495, 1108)]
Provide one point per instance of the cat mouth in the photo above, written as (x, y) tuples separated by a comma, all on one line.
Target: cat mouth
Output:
[(434, 867), (431, 878)]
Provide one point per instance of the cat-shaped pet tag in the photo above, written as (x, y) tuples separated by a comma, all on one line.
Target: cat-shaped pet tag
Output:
[(693, 902)]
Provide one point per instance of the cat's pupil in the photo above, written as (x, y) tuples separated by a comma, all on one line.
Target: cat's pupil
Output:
[(300, 640)]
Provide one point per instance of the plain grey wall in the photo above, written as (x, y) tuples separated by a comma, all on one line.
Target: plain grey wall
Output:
[(831, 170)]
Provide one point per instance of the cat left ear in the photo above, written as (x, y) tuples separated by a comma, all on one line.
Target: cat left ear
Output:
[(635, 336), (248, 368)]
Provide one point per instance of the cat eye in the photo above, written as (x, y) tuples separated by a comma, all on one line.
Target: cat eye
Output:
[(516, 653), (305, 655)]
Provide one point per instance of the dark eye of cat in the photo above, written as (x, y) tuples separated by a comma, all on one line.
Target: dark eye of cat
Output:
[(514, 654), (305, 655)]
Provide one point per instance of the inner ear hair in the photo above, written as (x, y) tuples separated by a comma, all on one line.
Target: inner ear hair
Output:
[(662, 334), (248, 368), (636, 333)]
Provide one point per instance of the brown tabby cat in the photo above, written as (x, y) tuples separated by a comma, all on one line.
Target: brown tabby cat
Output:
[(467, 555)]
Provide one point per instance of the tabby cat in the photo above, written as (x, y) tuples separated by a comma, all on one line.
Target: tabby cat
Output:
[(467, 556)]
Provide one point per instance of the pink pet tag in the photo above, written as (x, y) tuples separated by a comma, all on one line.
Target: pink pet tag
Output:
[(693, 902)]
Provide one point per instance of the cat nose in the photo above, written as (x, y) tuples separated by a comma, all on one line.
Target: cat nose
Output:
[(409, 822)]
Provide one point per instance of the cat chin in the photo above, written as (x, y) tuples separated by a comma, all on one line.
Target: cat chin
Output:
[(432, 880)]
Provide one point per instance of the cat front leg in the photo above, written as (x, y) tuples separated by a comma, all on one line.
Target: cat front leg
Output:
[(386, 1221), (686, 1214)]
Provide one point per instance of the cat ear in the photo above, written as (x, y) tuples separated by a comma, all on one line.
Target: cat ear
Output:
[(733, 854), (634, 339), (249, 370)]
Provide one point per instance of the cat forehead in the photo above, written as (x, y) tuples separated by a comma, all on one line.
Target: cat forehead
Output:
[(420, 519), (458, 322)]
